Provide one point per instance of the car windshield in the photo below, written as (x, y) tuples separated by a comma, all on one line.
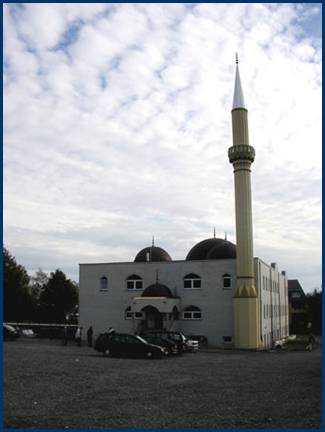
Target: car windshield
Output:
[(9, 327), (142, 340)]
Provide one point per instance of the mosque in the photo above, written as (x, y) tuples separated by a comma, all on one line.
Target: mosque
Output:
[(220, 291)]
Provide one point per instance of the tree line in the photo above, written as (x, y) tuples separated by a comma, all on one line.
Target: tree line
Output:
[(314, 310), (39, 298)]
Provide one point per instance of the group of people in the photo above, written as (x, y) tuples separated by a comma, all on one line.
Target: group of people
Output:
[(78, 335)]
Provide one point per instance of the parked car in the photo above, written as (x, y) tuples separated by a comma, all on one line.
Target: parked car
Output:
[(192, 345), (171, 347), (203, 341), (127, 345), (176, 337), (279, 344), (27, 333), (9, 332)]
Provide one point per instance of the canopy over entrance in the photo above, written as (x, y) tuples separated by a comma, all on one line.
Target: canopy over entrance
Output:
[(162, 304)]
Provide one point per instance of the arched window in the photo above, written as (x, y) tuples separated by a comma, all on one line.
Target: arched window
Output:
[(103, 283), (192, 313), (133, 315), (192, 281), (134, 282), (226, 281)]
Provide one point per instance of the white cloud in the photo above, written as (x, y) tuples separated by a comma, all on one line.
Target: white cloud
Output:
[(117, 125)]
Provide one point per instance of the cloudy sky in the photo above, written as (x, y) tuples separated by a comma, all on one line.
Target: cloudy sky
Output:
[(117, 121)]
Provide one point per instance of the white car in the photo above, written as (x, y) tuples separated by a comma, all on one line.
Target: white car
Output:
[(27, 332), (279, 343), (192, 345)]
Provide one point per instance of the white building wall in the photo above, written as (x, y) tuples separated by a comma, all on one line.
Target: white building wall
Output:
[(214, 301), (273, 296), (104, 309)]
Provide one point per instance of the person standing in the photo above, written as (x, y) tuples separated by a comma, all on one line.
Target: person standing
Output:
[(90, 336), (78, 336), (65, 335)]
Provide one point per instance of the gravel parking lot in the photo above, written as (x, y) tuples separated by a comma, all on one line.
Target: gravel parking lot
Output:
[(47, 384)]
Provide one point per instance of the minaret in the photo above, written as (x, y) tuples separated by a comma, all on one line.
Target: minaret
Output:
[(241, 155)]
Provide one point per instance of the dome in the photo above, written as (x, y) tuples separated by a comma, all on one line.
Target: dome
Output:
[(155, 254), (157, 290), (213, 248)]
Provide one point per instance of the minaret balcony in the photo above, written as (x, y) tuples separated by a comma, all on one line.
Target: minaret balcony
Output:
[(241, 152)]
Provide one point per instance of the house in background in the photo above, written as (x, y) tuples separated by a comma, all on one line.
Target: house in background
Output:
[(297, 307)]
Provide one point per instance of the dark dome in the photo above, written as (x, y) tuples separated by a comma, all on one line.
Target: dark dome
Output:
[(157, 290), (213, 248), (155, 253)]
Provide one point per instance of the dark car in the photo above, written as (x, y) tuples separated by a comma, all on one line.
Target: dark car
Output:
[(175, 337), (170, 346), (127, 345), (9, 332)]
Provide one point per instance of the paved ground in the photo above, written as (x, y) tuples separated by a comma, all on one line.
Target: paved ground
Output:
[(49, 385)]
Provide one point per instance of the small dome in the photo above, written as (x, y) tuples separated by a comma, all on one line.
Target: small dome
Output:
[(155, 254), (157, 290), (213, 248)]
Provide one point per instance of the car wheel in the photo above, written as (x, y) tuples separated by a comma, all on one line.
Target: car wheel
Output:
[(107, 353), (149, 354)]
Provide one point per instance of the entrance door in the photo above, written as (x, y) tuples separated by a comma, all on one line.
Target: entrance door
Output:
[(153, 318)]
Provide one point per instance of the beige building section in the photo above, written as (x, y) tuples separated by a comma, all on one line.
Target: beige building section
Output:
[(241, 155)]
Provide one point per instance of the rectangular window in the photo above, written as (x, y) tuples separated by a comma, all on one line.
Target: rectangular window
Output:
[(227, 339), (196, 283), (138, 285), (132, 284), (131, 315), (192, 283), (227, 282), (192, 315)]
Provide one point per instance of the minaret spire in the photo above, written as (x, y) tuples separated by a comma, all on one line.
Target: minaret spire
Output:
[(238, 99)]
